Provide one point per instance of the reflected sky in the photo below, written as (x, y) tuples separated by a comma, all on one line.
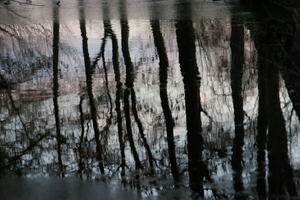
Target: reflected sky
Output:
[(41, 11)]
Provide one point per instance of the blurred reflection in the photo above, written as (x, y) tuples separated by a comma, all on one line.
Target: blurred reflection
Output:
[(59, 137), (291, 70), (262, 125), (237, 49), (281, 175), (163, 79), (120, 98), (191, 79), (89, 84)]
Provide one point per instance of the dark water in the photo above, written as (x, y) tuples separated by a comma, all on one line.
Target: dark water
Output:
[(146, 100)]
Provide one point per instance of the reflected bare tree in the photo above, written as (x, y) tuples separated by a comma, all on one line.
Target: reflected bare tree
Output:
[(119, 90), (262, 125), (163, 77), (89, 83), (281, 174), (272, 50), (237, 49), (191, 79), (291, 70), (128, 90), (56, 87), (118, 99), (108, 32), (81, 140)]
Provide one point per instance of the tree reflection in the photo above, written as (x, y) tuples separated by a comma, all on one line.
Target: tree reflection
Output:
[(89, 83), (59, 137), (237, 49), (191, 79), (271, 49), (281, 175), (163, 77), (128, 90), (79, 138), (119, 92), (262, 125)]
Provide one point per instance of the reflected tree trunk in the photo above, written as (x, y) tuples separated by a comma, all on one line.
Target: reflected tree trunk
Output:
[(129, 85), (262, 124), (56, 87), (116, 66), (237, 50), (271, 45), (81, 140), (141, 130), (281, 175), (89, 83), (163, 76), (191, 79), (138, 164), (118, 99), (130, 90)]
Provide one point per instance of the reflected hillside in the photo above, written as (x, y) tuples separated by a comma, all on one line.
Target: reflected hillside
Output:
[(161, 98)]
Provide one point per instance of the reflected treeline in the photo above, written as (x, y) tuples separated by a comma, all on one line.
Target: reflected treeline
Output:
[(275, 43), (143, 103), (280, 177)]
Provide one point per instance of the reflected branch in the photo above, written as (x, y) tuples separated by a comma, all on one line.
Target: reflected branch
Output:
[(140, 127), (8, 87), (16, 158)]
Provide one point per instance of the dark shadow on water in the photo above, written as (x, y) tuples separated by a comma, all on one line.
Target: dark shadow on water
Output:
[(274, 56), (237, 59)]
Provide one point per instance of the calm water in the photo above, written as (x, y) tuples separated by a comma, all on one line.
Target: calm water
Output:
[(144, 99)]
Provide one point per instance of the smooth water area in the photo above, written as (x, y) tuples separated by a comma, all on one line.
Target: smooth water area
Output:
[(140, 99)]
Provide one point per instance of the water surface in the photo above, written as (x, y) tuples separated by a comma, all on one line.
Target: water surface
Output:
[(155, 99)]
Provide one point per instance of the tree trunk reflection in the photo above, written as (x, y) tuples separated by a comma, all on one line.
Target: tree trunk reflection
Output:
[(191, 79), (119, 91), (129, 85), (89, 83), (262, 124), (59, 138), (237, 50), (281, 175), (163, 78)]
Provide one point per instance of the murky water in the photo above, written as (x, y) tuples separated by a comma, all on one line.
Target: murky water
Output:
[(143, 99)]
